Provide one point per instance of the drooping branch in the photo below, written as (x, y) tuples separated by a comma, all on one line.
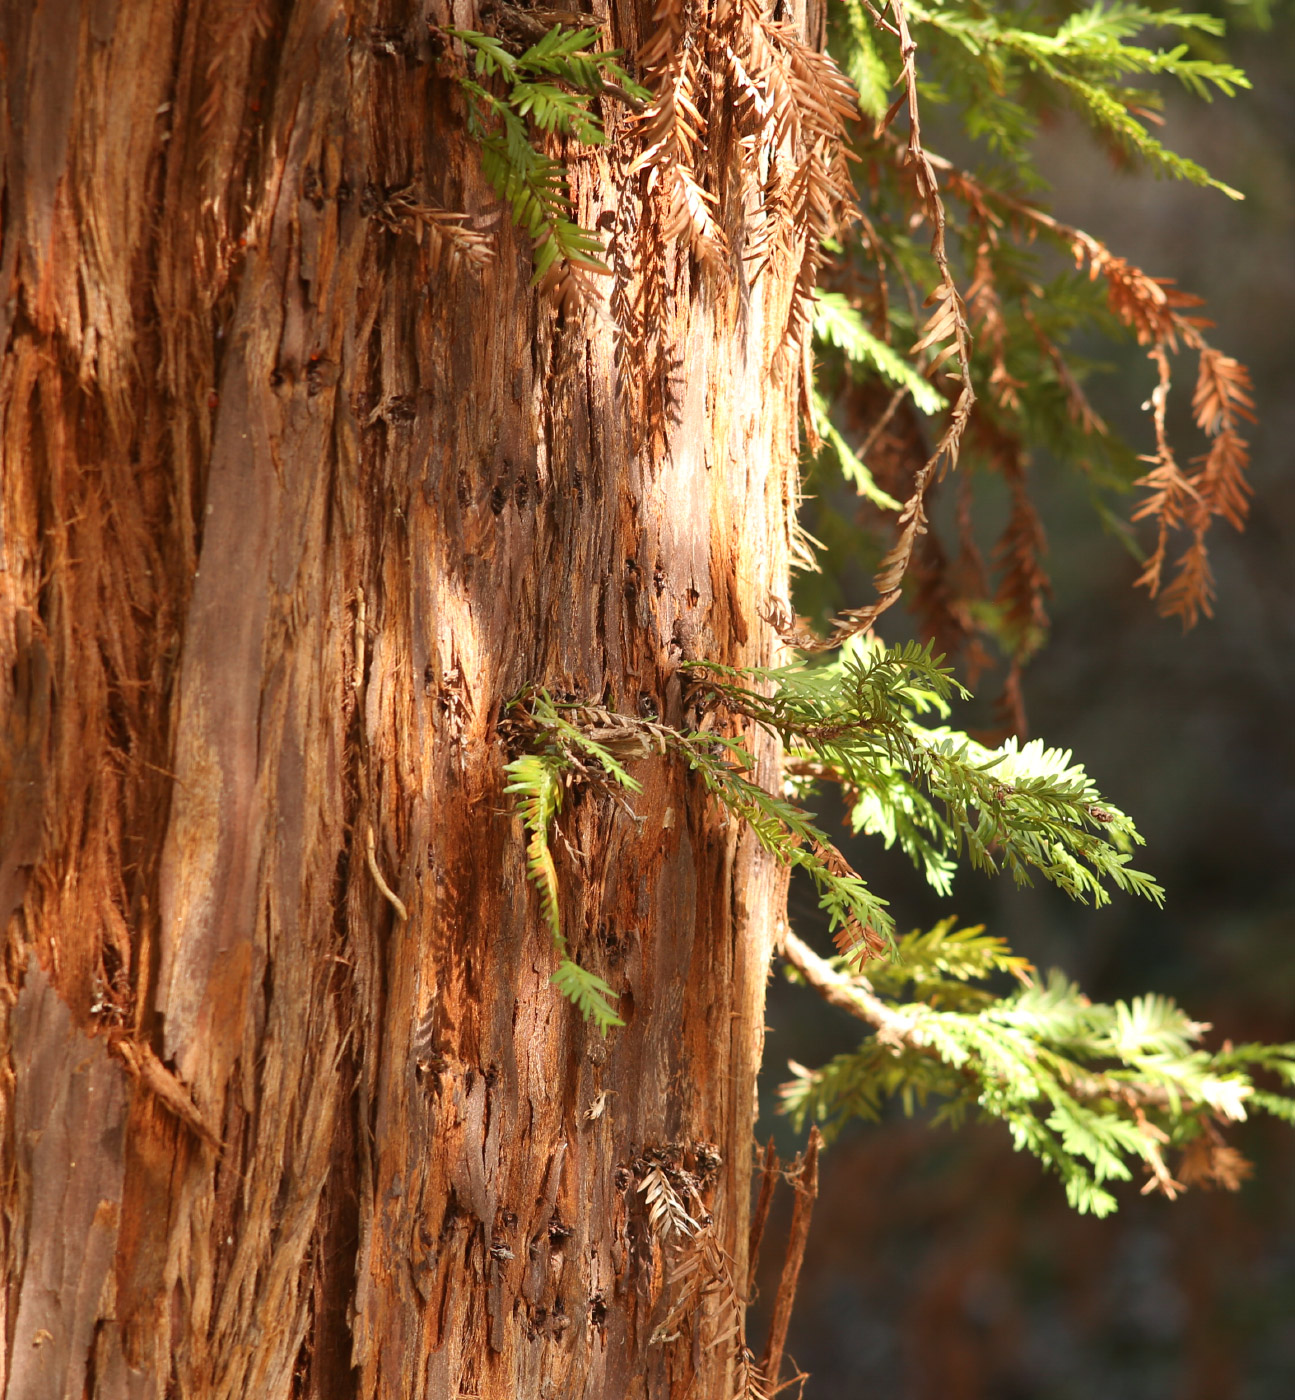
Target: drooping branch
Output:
[(946, 328)]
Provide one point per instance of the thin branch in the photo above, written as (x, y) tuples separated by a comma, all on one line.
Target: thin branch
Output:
[(851, 994), (769, 1172), (393, 898), (806, 1185), (879, 426)]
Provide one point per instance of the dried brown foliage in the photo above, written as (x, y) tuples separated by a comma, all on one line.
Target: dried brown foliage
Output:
[(790, 188), (1160, 316), (950, 597), (800, 103), (449, 244), (703, 1302), (673, 130), (642, 300), (1208, 1161), (1215, 487)]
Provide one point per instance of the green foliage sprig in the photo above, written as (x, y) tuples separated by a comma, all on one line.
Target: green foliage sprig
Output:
[(550, 87), (1090, 1090), (937, 792), (790, 835), (1087, 1088), (537, 780), (569, 752), (1087, 57)]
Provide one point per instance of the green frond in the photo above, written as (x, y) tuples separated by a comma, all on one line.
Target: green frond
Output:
[(570, 55), (589, 994), (1114, 117), (536, 781), (1088, 57), (927, 958), (1275, 1104), (1151, 1025), (863, 63), (489, 55), (532, 184), (553, 109), (1274, 1059), (1090, 1089), (549, 716), (1031, 808), (937, 791), (788, 833), (544, 875), (838, 323), (852, 469)]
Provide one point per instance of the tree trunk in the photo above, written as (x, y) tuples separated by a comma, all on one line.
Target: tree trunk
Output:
[(288, 516)]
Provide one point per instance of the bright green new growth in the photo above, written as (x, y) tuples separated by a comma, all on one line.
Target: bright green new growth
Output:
[(854, 721), (531, 183), (1086, 1088)]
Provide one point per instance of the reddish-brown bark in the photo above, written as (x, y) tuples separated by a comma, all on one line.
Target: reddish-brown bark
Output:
[(285, 523)]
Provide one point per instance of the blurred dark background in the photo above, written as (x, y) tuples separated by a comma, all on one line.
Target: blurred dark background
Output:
[(941, 1264)]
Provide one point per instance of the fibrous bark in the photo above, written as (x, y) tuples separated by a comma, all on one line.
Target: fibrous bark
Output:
[(287, 520)]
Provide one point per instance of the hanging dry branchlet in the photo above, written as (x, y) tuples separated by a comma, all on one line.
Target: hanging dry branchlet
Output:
[(1161, 317), (794, 105), (450, 245), (703, 1300), (1217, 486), (673, 131), (791, 105), (946, 332)]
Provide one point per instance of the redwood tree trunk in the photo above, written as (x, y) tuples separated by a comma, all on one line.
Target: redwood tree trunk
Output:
[(287, 517)]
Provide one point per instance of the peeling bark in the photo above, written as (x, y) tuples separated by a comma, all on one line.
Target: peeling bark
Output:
[(284, 523)]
